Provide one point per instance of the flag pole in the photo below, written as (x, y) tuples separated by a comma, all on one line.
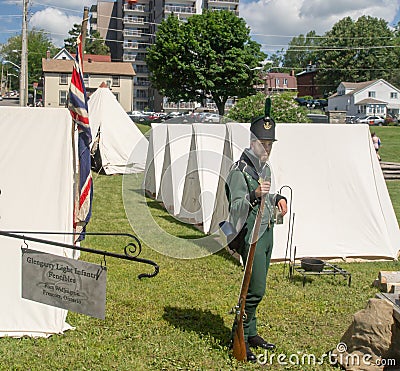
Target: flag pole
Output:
[(75, 154)]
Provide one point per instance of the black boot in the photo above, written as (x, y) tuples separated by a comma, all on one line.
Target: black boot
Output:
[(251, 357), (258, 342)]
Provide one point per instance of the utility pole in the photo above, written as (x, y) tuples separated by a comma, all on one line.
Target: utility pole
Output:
[(2, 74), (84, 26), (23, 77)]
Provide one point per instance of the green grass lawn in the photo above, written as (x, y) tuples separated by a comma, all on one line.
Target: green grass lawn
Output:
[(180, 320), (390, 138)]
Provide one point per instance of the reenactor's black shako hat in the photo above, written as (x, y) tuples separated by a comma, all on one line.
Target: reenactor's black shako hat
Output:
[(263, 127)]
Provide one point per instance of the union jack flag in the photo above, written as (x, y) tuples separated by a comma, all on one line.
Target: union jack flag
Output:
[(78, 108)]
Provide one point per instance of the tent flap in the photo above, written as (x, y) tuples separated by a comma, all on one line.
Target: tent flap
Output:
[(123, 148)]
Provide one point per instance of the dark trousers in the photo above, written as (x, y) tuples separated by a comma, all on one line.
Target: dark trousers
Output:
[(258, 279)]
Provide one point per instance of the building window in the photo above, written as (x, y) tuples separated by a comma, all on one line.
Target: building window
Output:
[(276, 82), (86, 79), (115, 81), (285, 82), (393, 95), (371, 94), (62, 99), (63, 79)]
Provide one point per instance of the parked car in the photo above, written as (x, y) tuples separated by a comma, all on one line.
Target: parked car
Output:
[(312, 103), (211, 117), (140, 117), (301, 101), (176, 117), (370, 120)]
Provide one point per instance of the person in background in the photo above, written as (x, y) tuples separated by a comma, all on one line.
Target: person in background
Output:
[(377, 144)]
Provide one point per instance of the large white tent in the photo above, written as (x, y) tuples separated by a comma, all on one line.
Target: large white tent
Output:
[(36, 194), (122, 146), (340, 199), (340, 202)]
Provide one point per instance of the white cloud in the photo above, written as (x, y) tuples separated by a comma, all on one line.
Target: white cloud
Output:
[(55, 22), (70, 4), (274, 23)]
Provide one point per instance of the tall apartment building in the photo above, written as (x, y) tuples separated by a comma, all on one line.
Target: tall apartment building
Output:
[(129, 27)]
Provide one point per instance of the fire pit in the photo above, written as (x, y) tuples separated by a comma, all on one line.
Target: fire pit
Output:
[(316, 267), (312, 264)]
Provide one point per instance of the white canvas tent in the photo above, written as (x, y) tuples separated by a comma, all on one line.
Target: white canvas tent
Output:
[(122, 146), (187, 165), (341, 204), (340, 199), (36, 194)]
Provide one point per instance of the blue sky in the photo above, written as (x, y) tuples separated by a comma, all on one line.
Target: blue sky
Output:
[(273, 23)]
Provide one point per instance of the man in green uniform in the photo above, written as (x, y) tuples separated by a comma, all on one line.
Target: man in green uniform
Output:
[(248, 180)]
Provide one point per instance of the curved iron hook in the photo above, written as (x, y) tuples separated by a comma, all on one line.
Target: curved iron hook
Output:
[(128, 252)]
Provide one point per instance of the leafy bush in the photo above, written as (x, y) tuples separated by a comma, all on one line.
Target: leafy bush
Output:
[(284, 108)]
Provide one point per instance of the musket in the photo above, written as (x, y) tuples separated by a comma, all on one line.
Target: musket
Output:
[(239, 346)]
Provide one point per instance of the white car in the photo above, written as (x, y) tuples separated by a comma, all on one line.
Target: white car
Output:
[(211, 117), (370, 120)]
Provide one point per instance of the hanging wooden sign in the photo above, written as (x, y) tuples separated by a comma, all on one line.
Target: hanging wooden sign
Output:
[(64, 283)]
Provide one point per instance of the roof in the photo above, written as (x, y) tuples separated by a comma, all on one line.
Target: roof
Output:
[(279, 74), (314, 72), (357, 86), (371, 101), (99, 68), (96, 57), (65, 52)]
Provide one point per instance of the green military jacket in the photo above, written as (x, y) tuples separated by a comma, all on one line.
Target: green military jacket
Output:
[(243, 179)]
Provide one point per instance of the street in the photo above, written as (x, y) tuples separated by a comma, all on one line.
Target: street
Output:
[(9, 102)]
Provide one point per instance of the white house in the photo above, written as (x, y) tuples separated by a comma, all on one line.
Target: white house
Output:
[(376, 97)]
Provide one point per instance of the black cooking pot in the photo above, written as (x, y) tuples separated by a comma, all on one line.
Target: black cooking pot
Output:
[(312, 264)]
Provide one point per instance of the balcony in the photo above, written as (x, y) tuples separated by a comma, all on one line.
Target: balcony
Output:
[(129, 58), (217, 7), (130, 8), (179, 9), (141, 71), (142, 83), (131, 46), (134, 20), (132, 33)]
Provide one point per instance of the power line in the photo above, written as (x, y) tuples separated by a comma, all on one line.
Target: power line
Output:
[(324, 37), (35, 2)]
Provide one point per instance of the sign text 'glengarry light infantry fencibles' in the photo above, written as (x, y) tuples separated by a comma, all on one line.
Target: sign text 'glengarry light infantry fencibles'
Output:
[(68, 283)]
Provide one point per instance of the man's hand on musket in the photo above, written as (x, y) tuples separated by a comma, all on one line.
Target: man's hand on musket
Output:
[(263, 188), (282, 206)]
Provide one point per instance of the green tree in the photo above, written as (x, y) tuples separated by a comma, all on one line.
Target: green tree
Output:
[(284, 108), (94, 44), (70, 42), (396, 71), (277, 58), (209, 56), (357, 51), (302, 50), (38, 45)]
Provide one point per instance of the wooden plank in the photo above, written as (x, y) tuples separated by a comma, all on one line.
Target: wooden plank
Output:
[(389, 277)]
